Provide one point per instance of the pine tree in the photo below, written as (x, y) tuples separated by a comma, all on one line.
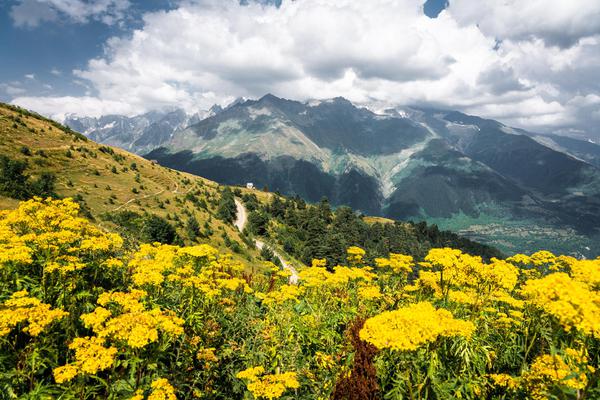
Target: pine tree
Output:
[(226, 209), (258, 223), (192, 228)]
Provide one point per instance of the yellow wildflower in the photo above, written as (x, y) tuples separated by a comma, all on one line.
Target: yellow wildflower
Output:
[(53, 232), (397, 262), (21, 308), (201, 251), (268, 386), (464, 297), (91, 356), (546, 370), (430, 280), (570, 301), (133, 323), (369, 292), (162, 390), (251, 373), (587, 272), (285, 293), (355, 255), (410, 327), (505, 381), (324, 360), (319, 263), (65, 373), (151, 262), (314, 276), (207, 354)]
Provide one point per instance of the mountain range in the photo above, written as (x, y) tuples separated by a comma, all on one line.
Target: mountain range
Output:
[(140, 133), (512, 188)]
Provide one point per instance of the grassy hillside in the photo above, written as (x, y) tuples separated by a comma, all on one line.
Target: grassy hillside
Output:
[(107, 181)]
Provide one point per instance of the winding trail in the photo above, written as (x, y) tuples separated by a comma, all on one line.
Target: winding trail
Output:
[(175, 191), (240, 223), (138, 198)]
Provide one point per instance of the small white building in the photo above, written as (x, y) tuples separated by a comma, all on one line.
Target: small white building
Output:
[(249, 185)]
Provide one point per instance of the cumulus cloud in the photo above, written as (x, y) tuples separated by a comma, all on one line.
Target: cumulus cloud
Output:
[(30, 13), (533, 66), (60, 107), (12, 89), (557, 22)]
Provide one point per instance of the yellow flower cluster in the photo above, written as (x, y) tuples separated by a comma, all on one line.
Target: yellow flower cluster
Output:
[(201, 269), (586, 272), (207, 354), (251, 373), (504, 380), (139, 395), (91, 356), (570, 301), (410, 327), (52, 231), (319, 276), (568, 370), (369, 292), (467, 279), (195, 266), (321, 262), (162, 390), (202, 251), (453, 268), (151, 262), (13, 249), (547, 370), (280, 296), (543, 262), (464, 296), (271, 386), (130, 321), (355, 255), (427, 280), (399, 263), (497, 275), (20, 308)]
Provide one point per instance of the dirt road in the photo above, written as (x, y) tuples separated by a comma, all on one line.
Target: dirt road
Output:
[(240, 223)]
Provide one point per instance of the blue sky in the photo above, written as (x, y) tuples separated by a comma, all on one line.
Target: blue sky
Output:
[(533, 64), (53, 49)]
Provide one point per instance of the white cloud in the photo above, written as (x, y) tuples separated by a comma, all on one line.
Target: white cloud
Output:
[(525, 67), (30, 13), (30, 76), (59, 107), (11, 90), (560, 22), (55, 71)]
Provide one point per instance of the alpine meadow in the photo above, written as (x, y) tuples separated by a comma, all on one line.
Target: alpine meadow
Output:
[(299, 199)]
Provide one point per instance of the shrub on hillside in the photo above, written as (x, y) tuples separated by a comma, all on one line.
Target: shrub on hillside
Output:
[(226, 209), (157, 229), (16, 183)]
